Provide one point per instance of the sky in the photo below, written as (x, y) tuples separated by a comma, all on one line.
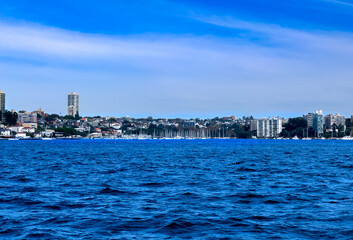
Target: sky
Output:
[(178, 58)]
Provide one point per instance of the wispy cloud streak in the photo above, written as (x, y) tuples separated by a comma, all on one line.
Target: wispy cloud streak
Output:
[(340, 2)]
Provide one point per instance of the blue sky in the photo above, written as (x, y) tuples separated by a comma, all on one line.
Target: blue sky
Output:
[(184, 58)]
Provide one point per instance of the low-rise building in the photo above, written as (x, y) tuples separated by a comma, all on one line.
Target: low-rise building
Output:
[(26, 117), (5, 133), (16, 129)]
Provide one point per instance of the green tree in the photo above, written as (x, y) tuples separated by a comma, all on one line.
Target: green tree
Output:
[(10, 118), (69, 117), (52, 117), (70, 131), (295, 127)]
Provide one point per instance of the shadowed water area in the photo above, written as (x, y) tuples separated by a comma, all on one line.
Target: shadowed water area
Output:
[(200, 189)]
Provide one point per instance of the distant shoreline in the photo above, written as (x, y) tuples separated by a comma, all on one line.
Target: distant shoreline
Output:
[(166, 139)]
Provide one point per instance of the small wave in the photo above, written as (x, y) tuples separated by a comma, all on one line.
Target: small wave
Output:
[(272, 202), (244, 169), (7, 231), (237, 163), (20, 201), (29, 189), (21, 178), (178, 224), (39, 236), (260, 218), (108, 190), (250, 195), (52, 207), (110, 171), (347, 166), (152, 184), (56, 220)]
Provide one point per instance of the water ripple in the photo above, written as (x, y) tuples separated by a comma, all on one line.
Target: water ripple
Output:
[(202, 189)]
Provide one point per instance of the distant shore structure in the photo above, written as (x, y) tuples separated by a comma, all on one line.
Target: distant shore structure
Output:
[(2, 106), (73, 104)]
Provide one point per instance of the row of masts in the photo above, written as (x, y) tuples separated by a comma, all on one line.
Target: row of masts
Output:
[(190, 133)]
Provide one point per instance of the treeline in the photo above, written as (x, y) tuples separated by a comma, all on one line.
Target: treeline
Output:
[(299, 127)]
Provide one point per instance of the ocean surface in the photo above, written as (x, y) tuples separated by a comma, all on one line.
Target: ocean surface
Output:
[(176, 189)]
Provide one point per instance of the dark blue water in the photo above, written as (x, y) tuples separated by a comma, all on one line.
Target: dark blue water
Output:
[(199, 189)]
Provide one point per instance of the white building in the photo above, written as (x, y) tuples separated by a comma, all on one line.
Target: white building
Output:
[(21, 135), (5, 133), (269, 128), (28, 130), (16, 129), (73, 109)]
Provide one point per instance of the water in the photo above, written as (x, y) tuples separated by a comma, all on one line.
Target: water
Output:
[(183, 189)]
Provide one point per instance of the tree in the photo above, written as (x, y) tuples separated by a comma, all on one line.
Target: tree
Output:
[(52, 117), (10, 118), (69, 117), (295, 127), (70, 131)]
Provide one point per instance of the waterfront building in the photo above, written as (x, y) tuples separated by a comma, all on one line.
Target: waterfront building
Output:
[(336, 119), (318, 122), (188, 124), (5, 133), (73, 108), (309, 119), (26, 117), (2, 106), (269, 128), (328, 121), (30, 125), (339, 120), (253, 125)]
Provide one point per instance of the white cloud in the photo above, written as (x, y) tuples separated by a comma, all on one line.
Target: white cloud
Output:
[(315, 40)]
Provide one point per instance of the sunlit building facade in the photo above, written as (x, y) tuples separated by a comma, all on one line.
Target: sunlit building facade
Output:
[(73, 107), (269, 128)]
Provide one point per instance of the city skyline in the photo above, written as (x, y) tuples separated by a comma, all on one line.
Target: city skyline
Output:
[(73, 110), (38, 124), (200, 59)]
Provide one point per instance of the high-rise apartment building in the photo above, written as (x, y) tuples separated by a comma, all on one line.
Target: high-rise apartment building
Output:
[(318, 122), (328, 121), (2, 106), (269, 128), (253, 125), (310, 119), (73, 104), (337, 119)]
